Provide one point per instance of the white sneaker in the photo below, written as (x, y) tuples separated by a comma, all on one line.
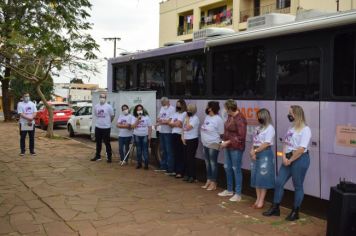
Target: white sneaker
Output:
[(225, 193), (235, 198)]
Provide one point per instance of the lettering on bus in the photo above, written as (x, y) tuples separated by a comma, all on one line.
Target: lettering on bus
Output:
[(250, 114)]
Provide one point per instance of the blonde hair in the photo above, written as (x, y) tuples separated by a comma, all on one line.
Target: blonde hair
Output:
[(231, 105), (192, 108), (299, 117), (266, 116)]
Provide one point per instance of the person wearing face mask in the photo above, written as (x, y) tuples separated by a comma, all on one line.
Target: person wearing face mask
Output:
[(177, 124), (125, 132), (142, 130), (27, 111), (211, 132), (190, 134), (296, 162), (165, 136), (104, 115), (262, 158), (234, 145)]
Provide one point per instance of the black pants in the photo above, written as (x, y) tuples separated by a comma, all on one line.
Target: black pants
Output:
[(100, 136), (31, 134), (178, 153), (190, 150)]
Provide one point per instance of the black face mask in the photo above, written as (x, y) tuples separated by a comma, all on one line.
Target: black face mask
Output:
[(207, 111), (261, 121), (178, 108), (189, 113), (290, 118)]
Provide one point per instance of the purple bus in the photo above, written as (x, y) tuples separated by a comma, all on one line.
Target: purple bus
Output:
[(307, 62)]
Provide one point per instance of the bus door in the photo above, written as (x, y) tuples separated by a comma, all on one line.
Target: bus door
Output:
[(298, 78)]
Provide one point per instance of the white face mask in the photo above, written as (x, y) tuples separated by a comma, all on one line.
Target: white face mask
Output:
[(139, 113), (26, 99), (125, 112), (102, 100)]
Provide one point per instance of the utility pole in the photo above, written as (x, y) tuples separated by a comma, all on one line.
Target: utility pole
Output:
[(113, 39), (337, 5)]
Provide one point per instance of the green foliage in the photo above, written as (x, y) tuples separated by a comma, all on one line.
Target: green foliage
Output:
[(19, 85)]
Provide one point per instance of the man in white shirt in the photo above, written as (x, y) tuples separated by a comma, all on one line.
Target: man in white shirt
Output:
[(27, 111), (165, 136), (104, 115)]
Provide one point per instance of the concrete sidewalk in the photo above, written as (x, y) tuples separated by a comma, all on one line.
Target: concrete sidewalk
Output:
[(60, 192)]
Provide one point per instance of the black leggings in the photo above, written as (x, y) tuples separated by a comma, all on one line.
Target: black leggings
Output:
[(100, 136), (189, 157)]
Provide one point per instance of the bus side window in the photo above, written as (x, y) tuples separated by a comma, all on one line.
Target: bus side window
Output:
[(122, 77), (344, 83), (298, 75)]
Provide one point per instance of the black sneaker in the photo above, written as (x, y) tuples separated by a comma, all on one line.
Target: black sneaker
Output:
[(33, 154), (108, 160), (22, 154), (146, 167), (96, 159), (138, 167)]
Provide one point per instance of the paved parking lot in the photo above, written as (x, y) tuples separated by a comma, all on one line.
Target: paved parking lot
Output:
[(60, 192)]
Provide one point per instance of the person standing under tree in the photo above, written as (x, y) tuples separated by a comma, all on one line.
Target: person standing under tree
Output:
[(27, 111), (104, 115)]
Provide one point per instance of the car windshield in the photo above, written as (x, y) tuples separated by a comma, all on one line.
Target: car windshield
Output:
[(60, 107)]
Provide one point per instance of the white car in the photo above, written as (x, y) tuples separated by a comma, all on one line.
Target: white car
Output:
[(80, 122)]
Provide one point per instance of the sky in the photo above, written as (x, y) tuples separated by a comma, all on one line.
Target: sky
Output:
[(136, 22)]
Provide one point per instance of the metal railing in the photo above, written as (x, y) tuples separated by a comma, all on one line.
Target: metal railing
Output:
[(258, 11), (222, 23), (185, 30)]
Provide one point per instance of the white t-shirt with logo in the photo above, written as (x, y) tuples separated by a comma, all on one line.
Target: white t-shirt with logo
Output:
[(125, 120), (142, 127), (103, 114), (211, 130), (294, 140), (177, 116), (263, 135), (194, 132), (166, 114), (27, 108)]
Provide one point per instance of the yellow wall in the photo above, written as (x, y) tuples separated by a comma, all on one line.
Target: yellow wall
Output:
[(170, 9)]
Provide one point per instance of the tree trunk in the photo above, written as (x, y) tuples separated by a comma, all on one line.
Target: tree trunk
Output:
[(49, 109), (6, 99)]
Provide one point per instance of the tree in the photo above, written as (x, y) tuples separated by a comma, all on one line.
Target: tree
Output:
[(48, 36), (76, 81)]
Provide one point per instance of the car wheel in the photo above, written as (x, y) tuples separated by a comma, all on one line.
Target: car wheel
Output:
[(70, 131), (43, 125)]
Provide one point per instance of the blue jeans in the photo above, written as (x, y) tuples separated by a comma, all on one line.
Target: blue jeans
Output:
[(124, 145), (297, 170), (232, 165), (141, 148), (211, 163), (167, 161), (262, 170)]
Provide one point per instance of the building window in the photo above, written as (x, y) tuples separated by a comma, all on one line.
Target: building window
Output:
[(283, 4), (188, 76), (344, 82), (123, 78), (298, 75), (185, 25), (240, 73), (151, 76)]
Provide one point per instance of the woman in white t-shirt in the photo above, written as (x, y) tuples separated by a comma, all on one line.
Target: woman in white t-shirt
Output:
[(190, 134), (262, 163), (142, 130), (211, 133), (125, 132), (177, 123), (295, 163)]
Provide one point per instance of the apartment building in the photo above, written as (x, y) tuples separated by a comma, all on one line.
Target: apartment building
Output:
[(180, 18)]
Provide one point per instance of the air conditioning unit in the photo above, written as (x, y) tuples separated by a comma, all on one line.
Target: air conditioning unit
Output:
[(269, 20), (211, 32)]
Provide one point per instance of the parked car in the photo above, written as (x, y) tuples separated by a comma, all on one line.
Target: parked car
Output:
[(80, 121), (61, 114)]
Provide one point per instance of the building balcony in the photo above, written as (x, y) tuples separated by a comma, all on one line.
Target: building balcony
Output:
[(258, 11), (183, 30), (214, 23)]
